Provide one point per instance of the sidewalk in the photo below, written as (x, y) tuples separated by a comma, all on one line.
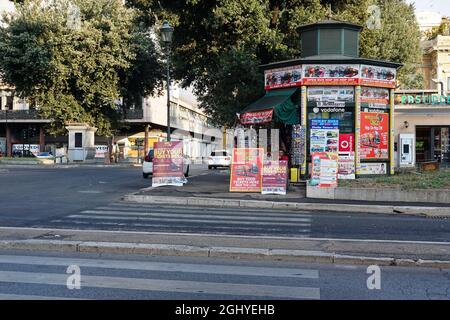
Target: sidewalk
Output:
[(337, 251), (212, 189)]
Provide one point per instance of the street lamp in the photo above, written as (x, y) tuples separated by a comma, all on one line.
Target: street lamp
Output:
[(166, 35)]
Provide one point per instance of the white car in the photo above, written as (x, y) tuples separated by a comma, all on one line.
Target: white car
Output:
[(147, 165), (219, 158)]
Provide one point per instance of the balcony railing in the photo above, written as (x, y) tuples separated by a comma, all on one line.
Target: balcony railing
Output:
[(133, 114), (19, 114)]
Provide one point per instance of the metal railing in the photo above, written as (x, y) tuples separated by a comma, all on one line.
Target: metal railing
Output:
[(19, 114)]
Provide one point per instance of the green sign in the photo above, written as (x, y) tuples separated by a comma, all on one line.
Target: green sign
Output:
[(423, 99)]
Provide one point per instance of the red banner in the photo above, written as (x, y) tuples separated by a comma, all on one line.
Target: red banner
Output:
[(246, 170), (168, 164), (257, 117), (274, 179), (374, 140), (346, 142)]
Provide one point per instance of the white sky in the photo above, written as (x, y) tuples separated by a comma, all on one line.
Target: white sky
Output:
[(440, 6), (6, 5)]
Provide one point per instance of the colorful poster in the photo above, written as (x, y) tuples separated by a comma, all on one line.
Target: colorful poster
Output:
[(101, 151), (324, 135), (373, 168), (378, 76), (298, 144), (274, 179), (374, 140), (283, 77), (256, 117), (330, 74), (168, 164), (330, 93), (324, 169), (346, 165), (17, 149), (346, 142), (246, 170)]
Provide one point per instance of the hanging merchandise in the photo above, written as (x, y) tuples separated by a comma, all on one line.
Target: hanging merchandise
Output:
[(298, 144)]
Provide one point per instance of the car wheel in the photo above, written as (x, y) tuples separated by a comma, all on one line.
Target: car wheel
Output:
[(187, 172), (145, 175)]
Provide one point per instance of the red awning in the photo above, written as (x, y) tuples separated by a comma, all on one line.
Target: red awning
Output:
[(257, 117)]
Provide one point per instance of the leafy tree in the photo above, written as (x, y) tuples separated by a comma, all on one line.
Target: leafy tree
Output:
[(75, 59), (218, 44), (443, 29)]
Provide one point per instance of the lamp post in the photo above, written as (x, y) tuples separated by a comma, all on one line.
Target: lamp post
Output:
[(166, 36)]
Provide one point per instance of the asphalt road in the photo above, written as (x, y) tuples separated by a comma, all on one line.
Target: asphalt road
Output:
[(89, 198), (40, 275)]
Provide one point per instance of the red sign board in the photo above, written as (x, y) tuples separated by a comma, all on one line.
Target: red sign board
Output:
[(257, 117), (283, 77), (346, 142), (374, 140), (168, 164), (246, 170), (274, 179)]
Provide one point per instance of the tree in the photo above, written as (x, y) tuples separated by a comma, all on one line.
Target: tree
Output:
[(75, 59), (218, 44)]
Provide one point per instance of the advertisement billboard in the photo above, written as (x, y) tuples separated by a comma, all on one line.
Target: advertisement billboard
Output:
[(257, 117), (274, 179), (374, 139), (378, 76), (168, 164), (283, 77), (246, 170), (17, 149), (324, 135), (331, 74), (324, 169)]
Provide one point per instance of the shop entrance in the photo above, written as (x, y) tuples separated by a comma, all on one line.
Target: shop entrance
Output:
[(433, 144)]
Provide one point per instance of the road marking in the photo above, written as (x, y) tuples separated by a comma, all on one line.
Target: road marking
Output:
[(175, 215), (5, 296), (162, 266), (214, 221), (222, 288), (212, 235), (187, 228)]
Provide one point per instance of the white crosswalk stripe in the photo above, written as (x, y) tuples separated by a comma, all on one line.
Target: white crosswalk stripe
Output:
[(110, 281), (191, 219)]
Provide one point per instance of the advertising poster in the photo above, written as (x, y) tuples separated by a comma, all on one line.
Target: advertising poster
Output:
[(330, 74), (346, 166), (257, 117), (3, 147), (101, 151), (283, 77), (378, 76), (374, 99), (168, 164), (298, 144), (17, 149), (346, 142), (324, 135), (374, 140), (246, 170), (274, 179), (331, 93), (373, 168), (324, 172)]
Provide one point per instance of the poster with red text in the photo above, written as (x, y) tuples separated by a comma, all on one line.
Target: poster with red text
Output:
[(374, 139), (324, 169), (246, 170), (168, 164), (274, 179)]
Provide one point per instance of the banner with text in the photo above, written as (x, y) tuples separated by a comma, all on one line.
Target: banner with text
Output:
[(374, 141), (168, 164), (274, 179), (246, 170)]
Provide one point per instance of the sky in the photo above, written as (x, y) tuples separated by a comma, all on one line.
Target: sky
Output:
[(440, 6), (6, 5)]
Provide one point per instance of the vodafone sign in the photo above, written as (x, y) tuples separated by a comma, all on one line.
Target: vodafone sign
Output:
[(346, 142)]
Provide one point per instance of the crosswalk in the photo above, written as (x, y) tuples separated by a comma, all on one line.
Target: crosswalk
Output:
[(45, 277), (156, 218)]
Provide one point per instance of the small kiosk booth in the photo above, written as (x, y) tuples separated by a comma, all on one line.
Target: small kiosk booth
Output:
[(337, 103)]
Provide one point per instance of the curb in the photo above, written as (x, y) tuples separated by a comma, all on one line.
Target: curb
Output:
[(262, 204), (215, 252)]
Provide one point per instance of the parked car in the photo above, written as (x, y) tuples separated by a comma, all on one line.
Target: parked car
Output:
[(44, 155), (219, 158), (147, 165)]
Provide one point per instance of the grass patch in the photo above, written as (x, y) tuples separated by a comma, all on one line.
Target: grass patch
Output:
[(18, 159), (406, 181)]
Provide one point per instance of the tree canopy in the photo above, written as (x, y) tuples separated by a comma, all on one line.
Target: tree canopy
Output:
[(76, 58), (219, 44)]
